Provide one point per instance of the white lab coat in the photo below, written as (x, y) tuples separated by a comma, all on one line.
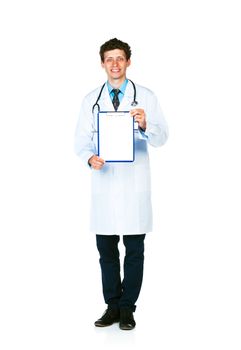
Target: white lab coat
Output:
[(121, 192)]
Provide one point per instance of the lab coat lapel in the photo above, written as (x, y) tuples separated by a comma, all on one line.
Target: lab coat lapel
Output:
[(125, 104), (106, 103)]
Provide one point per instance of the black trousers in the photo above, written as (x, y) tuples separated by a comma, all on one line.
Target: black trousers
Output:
[(121, 293)]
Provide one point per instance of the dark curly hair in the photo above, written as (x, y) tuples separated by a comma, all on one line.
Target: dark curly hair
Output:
[(115, 44)]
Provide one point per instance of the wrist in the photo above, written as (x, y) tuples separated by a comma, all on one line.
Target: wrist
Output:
[(142, 128)]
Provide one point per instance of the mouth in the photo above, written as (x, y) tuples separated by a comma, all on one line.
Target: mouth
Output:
[(115, 70)]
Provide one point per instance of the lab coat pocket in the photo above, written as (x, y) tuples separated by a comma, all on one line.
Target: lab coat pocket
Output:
[(142, 178)]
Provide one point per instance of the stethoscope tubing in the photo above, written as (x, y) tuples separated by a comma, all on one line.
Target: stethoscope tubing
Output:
[(134, 102)]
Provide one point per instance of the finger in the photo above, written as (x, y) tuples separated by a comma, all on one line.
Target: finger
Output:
[(138, 118), (100, 160), (139, 115), (134, 112), (98, 164), (137, 110), (99, 167)]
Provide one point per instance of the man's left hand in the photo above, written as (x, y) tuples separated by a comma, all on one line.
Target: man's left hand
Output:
[(140, 117)]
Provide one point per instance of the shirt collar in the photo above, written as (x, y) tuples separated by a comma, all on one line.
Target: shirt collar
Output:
[(122, 88)]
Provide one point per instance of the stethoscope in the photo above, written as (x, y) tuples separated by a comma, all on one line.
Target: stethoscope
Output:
[(133, 103)]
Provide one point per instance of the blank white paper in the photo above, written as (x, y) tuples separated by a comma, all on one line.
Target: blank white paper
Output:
[(116, 136)]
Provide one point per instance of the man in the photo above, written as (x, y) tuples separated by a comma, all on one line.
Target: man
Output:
[(121, 197)]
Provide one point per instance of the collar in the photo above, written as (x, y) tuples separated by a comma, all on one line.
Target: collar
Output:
[(122, 88)]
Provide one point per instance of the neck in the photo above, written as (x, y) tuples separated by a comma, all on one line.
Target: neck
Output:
[(116, 83)]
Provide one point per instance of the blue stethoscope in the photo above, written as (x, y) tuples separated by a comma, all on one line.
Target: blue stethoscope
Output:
[(133, 103)]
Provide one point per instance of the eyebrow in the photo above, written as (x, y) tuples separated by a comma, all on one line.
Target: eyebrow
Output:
[(115, 57)]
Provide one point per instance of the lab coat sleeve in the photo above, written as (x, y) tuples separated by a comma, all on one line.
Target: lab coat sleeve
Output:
[(156, 132), (83, 143)]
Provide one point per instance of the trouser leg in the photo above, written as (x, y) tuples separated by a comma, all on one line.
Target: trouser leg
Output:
[(133, 270), (110, 268)]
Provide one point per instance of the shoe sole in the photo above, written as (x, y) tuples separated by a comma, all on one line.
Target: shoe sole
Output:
[(126, 328), (106, 325)]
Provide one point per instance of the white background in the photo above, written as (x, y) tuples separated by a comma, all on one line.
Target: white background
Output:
[(188, 53)]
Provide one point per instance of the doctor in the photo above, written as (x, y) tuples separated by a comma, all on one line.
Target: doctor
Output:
[(121, 193)]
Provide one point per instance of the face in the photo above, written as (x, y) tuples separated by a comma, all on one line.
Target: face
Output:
[(115, 64)]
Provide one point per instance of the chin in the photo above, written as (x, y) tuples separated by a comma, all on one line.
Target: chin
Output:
[(117, 76)]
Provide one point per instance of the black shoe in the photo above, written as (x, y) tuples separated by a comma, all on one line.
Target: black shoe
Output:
[(109, 317), (127, 321)]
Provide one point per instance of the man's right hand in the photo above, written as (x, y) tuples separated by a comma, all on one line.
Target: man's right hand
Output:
[(96, 162)]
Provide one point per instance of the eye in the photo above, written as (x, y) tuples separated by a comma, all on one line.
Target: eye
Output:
[(109, 60), (120, 59)]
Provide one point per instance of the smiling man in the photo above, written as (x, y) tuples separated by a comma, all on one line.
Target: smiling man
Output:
[(115, 64), (121, 193)]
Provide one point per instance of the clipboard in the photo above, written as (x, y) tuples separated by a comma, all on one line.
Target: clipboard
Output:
[(116, 136)]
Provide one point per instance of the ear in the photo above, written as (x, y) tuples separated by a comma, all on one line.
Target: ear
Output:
[(128, 62), (102, 64)]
